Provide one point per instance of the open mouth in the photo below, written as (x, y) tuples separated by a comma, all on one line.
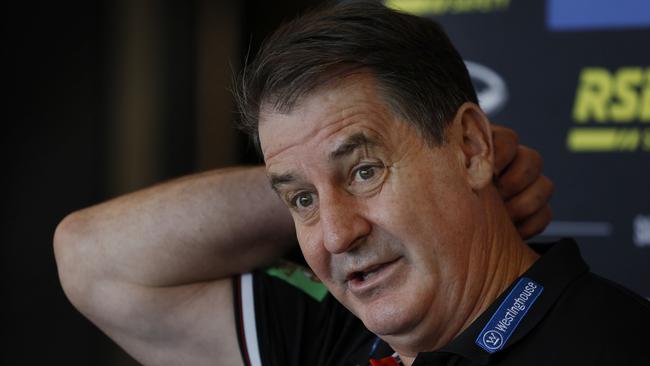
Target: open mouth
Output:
[(370, 272)]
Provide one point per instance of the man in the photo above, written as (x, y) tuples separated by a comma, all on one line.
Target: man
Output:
[(372, 138)]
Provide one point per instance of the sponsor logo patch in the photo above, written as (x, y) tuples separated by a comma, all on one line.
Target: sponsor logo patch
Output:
[(301, 278), (585, 15), (506, 319), (611, 110), (490, 88), (444, 7), (642, 230)]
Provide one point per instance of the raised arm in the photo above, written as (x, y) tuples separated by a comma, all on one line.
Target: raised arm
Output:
[(152, 268)]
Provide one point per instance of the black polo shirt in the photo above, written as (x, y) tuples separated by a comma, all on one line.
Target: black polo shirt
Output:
[(557, 313), (578, 319)]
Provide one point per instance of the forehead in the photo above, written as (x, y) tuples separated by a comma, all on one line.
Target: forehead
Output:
[(346, 106)]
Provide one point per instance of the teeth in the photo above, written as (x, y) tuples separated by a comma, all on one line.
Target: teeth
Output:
[(370, 271), (366, 275)]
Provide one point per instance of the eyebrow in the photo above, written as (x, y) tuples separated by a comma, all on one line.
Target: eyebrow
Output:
[(350, 144), (347, 147), (279, 179)]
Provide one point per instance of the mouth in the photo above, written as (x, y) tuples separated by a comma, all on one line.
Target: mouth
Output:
[(366, 278)]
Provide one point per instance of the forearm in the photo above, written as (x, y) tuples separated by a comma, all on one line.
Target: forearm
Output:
[(197, 228)]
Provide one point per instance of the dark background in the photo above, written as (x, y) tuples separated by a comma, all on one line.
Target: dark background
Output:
[(102, 98), (105, 97)]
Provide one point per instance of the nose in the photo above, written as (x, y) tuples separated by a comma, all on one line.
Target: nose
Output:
[(342, 221)]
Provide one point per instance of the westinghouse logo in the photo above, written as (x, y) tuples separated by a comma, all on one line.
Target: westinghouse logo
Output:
[(441, 7), (512, 310), (611, 111), (518, 306), (492, 339)]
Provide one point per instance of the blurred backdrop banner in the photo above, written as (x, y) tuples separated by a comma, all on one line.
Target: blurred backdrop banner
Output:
[(572, 77)]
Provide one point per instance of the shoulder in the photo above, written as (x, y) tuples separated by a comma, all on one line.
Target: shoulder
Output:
[(286, 316), (604, 319), (598, 296)]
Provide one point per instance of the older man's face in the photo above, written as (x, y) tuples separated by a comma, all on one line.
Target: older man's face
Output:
[(383, 220)]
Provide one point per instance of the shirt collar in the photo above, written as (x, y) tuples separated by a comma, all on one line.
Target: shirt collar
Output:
[(558, 266)]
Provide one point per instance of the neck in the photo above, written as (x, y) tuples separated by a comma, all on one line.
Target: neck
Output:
[(497, 258)]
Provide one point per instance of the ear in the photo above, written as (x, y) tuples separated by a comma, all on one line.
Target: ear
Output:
[(476, 144)]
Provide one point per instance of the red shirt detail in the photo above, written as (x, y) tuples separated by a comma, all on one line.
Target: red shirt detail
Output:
[(386, 361)]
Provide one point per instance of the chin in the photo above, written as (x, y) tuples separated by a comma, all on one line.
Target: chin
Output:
[(391, 317)]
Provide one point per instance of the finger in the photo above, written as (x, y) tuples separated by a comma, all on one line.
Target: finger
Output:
[(536, 223), (521, 173), (505, 147), (531, 200)]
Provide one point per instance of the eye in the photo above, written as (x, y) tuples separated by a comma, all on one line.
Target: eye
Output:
[(302, 200), (367, 177), (364, 173)]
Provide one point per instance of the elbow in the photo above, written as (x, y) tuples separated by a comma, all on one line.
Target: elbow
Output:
[(69, 247)]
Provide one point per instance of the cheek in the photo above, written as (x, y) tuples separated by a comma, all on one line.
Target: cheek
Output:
[(429, 215)]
